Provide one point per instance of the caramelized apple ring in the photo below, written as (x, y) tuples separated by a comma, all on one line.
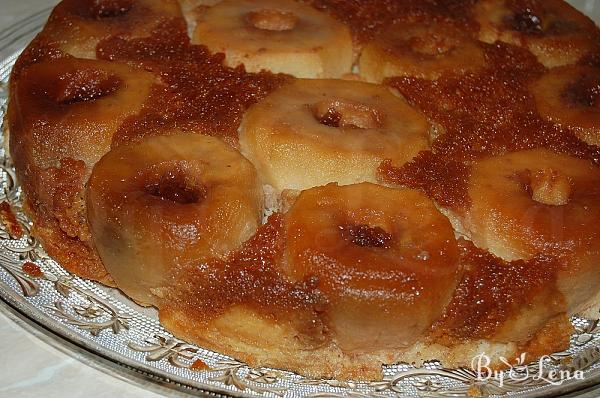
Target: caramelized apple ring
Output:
[(283, 36), (423, 50), (82, 103), (312, 132), (539, 202), (76, 26), (381, 256), (555, 32), (166, 203), (570, 96)]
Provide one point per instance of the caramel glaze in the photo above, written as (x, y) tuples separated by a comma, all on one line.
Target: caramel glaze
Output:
[(202, 94), (251, 279), (10, 222), (491, 302), (493, 291), (442, 179), (367, 18), (484, 113)]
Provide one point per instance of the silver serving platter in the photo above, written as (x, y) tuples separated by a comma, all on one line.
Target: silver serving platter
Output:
[(100, 324)]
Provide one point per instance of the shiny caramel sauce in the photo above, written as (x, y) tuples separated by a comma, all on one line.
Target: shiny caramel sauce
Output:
[(430, 48), (440, 178), (250, 278), (39, 50), (201, 95), (493, 291), (330, 118), (96, 9), (10, 222)]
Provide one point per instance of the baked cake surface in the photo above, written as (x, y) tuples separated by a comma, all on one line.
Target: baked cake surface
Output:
[(430, 169)]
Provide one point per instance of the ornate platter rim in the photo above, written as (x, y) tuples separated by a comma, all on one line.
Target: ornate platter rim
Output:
[(65, 341), (115, 364)]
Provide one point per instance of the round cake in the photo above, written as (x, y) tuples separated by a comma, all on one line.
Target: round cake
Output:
[(322, 186)]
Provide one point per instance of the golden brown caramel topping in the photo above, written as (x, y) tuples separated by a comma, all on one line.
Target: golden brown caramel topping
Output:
[(442, 179), (550, 187), (492, 291), (346, 114), (592, 58), (365, 19), (480, 114), (378, 254), (275, 20), (40, 49), (249, 277)]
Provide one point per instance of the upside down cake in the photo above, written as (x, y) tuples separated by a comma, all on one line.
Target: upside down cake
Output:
[(323, 186)]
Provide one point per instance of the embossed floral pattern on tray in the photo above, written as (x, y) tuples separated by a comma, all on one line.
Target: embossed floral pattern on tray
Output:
[(116, 328)]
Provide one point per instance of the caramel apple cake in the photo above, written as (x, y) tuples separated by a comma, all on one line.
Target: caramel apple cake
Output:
[(322, 186)]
